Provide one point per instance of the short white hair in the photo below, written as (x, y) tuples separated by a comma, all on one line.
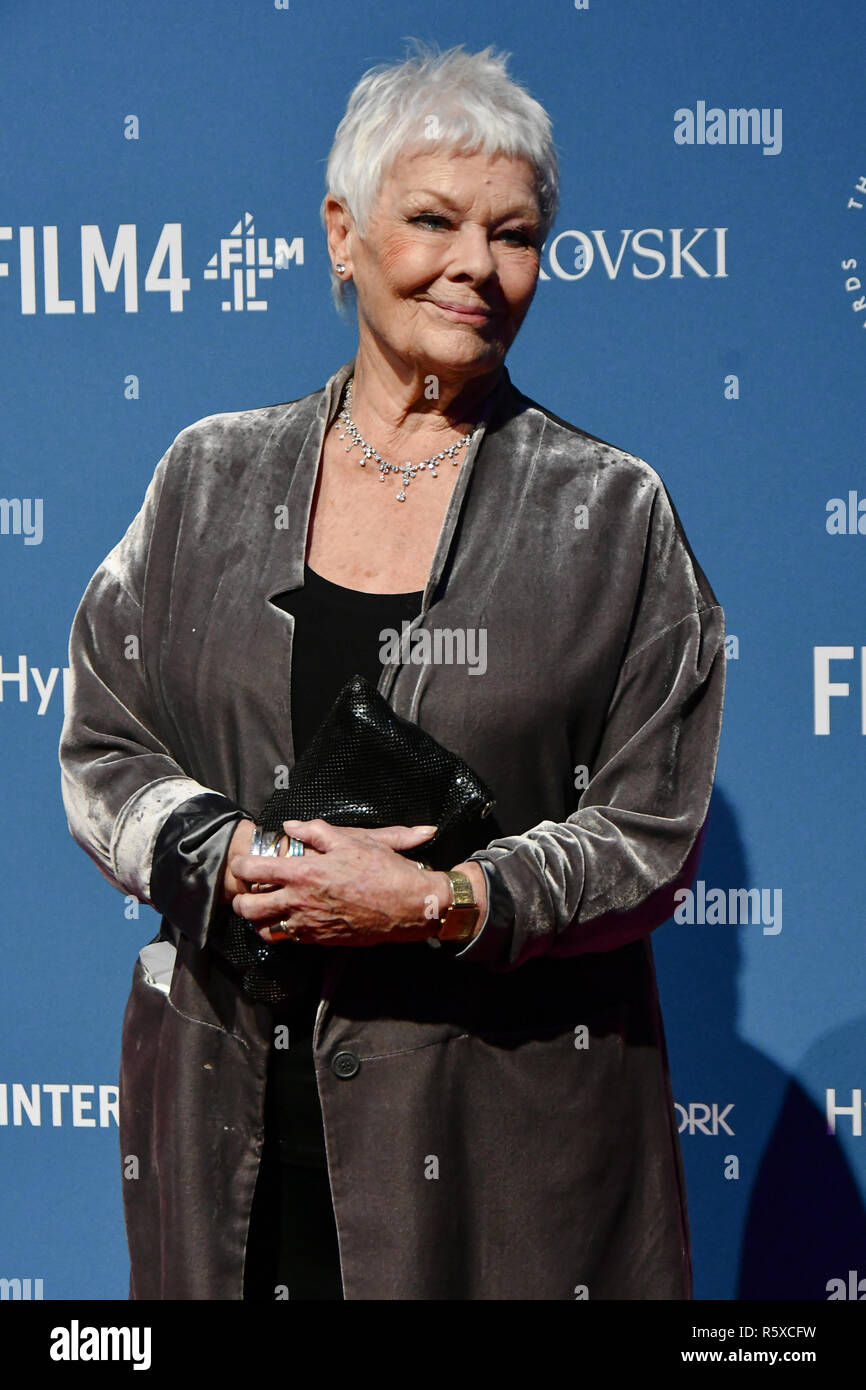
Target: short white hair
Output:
[(476, 107)]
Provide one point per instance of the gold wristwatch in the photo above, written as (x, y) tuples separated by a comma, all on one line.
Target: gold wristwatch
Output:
[(459, 919)]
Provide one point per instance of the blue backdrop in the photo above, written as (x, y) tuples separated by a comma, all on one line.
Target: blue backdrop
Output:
[(701, 305)]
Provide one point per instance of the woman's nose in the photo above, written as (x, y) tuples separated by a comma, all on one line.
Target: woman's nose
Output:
[(471, 255)]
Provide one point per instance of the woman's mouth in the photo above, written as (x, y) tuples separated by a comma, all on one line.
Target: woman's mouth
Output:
[(464, 313)]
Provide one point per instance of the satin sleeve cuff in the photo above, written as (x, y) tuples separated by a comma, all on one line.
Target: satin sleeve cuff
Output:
[(189, 863)]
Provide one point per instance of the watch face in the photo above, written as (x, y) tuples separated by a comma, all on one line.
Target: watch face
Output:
[(464, 894)]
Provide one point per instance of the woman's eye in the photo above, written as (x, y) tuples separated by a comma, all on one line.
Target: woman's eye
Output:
[(515, 235)]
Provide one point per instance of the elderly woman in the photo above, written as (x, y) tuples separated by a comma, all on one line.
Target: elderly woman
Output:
[(493, 1118)]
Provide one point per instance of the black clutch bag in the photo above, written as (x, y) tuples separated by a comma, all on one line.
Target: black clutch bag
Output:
[(365, 766)]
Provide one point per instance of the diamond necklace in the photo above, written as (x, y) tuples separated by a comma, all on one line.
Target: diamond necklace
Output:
[(407, 469)]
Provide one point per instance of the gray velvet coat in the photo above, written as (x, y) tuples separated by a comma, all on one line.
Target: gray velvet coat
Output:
[(508, 1132)]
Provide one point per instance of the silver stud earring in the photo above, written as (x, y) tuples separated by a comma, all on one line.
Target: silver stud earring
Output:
[(339, 267)]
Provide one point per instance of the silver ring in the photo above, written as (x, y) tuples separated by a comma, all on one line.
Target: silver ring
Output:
[(265, 843), (296, 847)]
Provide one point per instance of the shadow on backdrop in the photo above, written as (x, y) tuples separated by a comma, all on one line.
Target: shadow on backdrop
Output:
[(794, 1217)]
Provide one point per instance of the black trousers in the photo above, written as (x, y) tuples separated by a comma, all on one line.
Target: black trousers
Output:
[(292, 1248)]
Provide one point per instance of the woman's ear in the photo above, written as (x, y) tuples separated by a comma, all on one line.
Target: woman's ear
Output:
[(340, 228)]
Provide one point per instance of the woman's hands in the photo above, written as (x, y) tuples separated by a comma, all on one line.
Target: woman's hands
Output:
[(349, 888)]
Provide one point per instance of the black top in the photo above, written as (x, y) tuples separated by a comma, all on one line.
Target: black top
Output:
[(338, 633)]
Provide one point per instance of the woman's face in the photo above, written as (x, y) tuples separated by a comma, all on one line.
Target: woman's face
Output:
[(447, 269)]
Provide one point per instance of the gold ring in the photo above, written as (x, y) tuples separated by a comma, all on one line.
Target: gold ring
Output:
[(282, 931)]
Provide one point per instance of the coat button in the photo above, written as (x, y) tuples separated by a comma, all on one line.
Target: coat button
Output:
[(345, 1065)]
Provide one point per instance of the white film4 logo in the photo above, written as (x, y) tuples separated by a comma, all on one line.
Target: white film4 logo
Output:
[(116, 263), (243, 259)]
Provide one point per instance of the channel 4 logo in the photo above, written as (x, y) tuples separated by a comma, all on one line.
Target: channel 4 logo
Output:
[(244, 258)]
